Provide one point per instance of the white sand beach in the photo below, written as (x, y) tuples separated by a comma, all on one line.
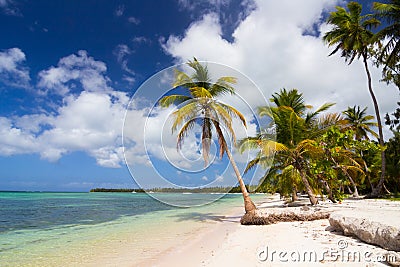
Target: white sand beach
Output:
[(227, 243), (223, 241)]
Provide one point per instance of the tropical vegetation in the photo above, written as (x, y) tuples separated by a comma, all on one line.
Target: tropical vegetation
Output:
[(306, 149)]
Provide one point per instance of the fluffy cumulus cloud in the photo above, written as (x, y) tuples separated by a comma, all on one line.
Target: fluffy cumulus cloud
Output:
[(90, 122), (279, 44), (13, 72), (89, 119), (76, 69)]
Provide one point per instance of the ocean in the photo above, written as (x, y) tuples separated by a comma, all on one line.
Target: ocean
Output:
[(71, 229)]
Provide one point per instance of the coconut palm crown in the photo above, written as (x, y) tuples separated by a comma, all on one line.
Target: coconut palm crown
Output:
[(390, 12), (359, 122)]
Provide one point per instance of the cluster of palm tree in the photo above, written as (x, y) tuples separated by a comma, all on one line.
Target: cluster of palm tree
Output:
[(312, 152), (352, 35)]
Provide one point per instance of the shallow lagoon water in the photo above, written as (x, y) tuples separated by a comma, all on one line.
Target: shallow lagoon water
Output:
[(55, 229)]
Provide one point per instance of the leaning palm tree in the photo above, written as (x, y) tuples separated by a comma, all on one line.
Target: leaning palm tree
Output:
[(359, 122), (199, 106), (295, 127), (290, 160), (351, 36)]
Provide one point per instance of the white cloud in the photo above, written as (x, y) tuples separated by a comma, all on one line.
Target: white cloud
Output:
[(140, 40), (134, 20), (119, 11), (12, 70), (9, 7), (72, 70), (272, 47), (122, 51), (91, 122), (193, 4), (14, 140)]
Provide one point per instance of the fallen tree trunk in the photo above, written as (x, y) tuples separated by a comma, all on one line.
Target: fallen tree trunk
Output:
[(258, 218)]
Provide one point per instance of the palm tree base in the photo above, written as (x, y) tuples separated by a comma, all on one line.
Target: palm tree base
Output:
[(249, 206)]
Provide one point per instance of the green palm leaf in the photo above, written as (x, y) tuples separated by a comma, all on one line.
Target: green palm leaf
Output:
[(166, 101)]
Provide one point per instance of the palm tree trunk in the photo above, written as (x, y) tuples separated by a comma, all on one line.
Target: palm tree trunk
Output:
[(349, 189), (310, 193), (377, 191), (355, 191), (386, 190), (248, 203), (329, 191), (294, 193)]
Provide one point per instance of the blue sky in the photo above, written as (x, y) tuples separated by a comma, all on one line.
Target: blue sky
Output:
[(69, 68)]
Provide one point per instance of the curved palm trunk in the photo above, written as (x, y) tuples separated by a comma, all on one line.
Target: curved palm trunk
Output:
[(355, 190), (310, 193), (346, 173), (249, 206), (329, 191), (248, 203), (377, 191)]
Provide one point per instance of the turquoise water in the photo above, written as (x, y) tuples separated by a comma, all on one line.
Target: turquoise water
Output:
[(58, 229)]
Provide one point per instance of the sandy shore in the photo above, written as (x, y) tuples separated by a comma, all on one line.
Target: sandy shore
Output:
[(227, 243), (218, 239)]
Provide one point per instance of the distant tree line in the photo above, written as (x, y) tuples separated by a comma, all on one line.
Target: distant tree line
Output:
[(216, 189)]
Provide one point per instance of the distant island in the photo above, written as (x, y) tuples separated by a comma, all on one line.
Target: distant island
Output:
[(235, 189)]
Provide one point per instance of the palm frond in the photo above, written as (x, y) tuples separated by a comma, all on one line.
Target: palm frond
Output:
[(182, 79), (223, 117), (223, 86), (200, 92), (200, 72), (185, 113), (264, 111), (249, 143), (183, 132), (168, 100), (251, 164), (233, 111)]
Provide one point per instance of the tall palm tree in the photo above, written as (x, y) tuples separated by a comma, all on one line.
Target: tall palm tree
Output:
[(359, 122), (199, 106), (390, 12), (351, 36)]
